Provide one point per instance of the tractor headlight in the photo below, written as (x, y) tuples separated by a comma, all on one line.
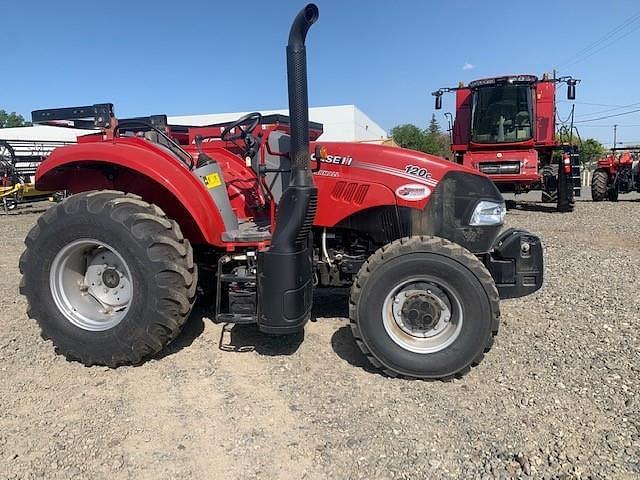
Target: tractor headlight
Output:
[(488, 213)]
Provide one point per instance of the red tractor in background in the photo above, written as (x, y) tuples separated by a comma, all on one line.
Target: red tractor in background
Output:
[(615, 174), (505, 127), (253, 208)]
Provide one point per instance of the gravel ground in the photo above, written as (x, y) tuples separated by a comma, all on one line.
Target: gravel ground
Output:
[(557, 397)]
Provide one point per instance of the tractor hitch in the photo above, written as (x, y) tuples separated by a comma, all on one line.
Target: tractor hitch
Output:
[(516, 263)]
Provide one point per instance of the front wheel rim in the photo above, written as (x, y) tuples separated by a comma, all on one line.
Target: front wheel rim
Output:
[(91, 285), (422, 315)]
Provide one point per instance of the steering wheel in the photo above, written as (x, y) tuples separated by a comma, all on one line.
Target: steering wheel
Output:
[(244, 125)]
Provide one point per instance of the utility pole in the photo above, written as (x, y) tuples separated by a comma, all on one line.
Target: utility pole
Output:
[(615, 129)]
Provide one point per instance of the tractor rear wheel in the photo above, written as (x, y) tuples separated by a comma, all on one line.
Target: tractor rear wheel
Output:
[(424, 307), (108, 277), (599, 185)]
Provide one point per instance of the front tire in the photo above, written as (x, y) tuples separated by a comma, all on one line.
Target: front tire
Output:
[(108, 277), (424, 307)]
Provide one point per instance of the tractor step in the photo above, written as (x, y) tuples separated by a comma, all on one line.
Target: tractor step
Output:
[(248, 231), (237, 286), (236, 318), (230, 277)]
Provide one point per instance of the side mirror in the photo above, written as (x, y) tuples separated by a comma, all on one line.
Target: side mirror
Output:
[(571, 90), (438, 100)]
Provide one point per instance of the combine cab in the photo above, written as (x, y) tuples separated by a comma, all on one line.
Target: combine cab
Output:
[(618, 172), (505, 127)]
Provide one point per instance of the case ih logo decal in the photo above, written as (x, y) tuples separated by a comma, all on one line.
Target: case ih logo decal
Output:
[(410, 172), (413, 192), (335, 159)]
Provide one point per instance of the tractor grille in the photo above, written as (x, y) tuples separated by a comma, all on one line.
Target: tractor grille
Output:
[(495, 168)]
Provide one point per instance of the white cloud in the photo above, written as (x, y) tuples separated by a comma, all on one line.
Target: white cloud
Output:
[(468, 66)]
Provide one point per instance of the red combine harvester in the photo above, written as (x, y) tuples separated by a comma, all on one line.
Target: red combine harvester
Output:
[(505, 127), (616, 173), (254, 208)]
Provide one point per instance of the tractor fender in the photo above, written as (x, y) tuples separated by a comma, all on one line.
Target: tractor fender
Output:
[(135, 166)]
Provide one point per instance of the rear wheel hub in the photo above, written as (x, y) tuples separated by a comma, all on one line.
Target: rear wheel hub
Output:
[(110, 278), (91, 285)]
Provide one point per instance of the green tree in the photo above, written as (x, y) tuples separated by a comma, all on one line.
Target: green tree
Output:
[(437, 142), (431, 140), (434, 126), (589, 149), (409, 136), (13, 119)]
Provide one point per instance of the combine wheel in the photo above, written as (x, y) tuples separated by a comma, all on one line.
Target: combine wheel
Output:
[(108, 277), (424, 307), (599, 185), (550, 184)]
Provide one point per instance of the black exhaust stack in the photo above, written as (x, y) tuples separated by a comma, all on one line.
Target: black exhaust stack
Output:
[(285, 270)]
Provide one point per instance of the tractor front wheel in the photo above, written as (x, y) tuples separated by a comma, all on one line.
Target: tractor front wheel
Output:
[(108, 277), (599, 186), (424, 307)]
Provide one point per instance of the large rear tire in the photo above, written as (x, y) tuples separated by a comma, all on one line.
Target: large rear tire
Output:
[(599, 186), (108, 277), (424, 307)]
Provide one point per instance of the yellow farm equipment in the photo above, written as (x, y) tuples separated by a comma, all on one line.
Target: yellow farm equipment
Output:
[(17, 182)]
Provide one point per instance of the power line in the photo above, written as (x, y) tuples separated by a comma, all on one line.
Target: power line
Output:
[(589, 49), (609, 116), (605, 46), (609, 126), (609, 110), (589, 103)]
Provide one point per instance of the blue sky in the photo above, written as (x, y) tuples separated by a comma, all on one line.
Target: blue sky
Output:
[(385, 57)]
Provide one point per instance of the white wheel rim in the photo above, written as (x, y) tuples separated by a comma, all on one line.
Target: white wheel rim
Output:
[(91, 285), (422, 315)]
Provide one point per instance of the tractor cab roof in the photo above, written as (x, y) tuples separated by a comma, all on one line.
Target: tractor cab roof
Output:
[(101, 116), (503, 80)]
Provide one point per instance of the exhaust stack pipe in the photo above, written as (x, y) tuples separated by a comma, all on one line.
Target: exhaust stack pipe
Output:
[(285, 270), (298, 98)]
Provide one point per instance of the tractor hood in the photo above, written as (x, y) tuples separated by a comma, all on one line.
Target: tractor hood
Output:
[(374, 187), (396, 168)]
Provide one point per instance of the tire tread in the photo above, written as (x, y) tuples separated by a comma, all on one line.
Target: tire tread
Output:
[(153, 229), (423, 243)]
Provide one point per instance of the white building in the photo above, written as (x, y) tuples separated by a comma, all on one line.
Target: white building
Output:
[(344, 123), (42, 133)]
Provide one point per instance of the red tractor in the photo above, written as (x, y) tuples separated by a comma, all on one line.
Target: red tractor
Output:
[(505, 127), (255, 210), (615, 174)]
